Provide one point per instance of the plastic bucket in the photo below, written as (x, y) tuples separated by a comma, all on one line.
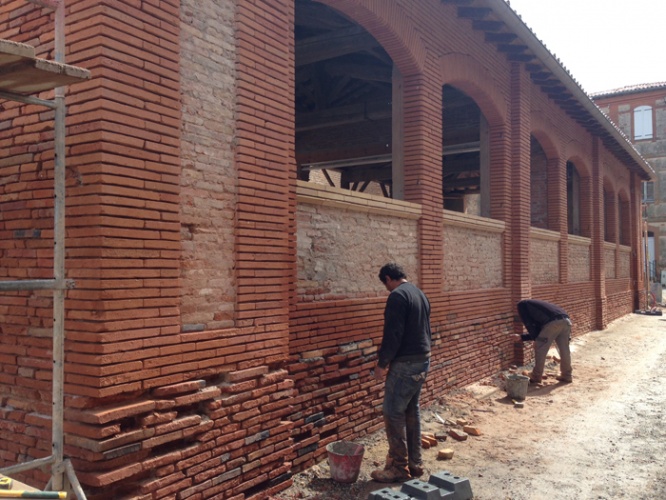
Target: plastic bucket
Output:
[(516, 386), (344, 460)]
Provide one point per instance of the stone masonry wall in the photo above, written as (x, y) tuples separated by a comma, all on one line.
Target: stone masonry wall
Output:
[(609, 261), (472, 253), (544, 258), (342, 246), (579, 262)]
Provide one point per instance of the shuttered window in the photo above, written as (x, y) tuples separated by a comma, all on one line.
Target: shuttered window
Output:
[(643, 123)]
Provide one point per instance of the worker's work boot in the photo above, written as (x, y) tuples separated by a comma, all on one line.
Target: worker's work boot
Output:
[(415, 470), (392, 474)]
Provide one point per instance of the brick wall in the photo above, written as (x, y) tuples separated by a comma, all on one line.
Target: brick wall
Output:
[(195, 364), (208, 176)]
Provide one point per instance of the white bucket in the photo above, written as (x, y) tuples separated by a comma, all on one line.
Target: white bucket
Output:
[(516, 386)]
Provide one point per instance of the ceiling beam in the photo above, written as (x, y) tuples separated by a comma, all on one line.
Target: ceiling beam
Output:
[(334, 44)]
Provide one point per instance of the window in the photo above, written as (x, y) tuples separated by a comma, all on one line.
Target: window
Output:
[(642, 123), (648, 191)]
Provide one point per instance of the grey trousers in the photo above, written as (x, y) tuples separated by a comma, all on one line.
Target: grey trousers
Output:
[(558, 331)]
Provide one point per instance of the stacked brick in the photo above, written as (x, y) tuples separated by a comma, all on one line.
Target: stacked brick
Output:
[(338, 398), (190, 440)]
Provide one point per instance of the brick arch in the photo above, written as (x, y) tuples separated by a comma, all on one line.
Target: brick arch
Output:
[(541, 130), (466, 74), (386, 21), (609, 185), (577, 155)]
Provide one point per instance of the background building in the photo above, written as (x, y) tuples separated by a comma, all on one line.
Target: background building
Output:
[(640, 112)]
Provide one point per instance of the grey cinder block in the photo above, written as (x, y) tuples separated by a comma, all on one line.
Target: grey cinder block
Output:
[(447, 481)]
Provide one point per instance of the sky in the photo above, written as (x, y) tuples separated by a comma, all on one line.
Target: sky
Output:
[(605, 44)]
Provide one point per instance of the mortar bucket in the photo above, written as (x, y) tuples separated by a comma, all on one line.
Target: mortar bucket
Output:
[(344, 460), (516, 386)]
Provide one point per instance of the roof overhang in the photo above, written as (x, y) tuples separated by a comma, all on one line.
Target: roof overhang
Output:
[(504, 28)]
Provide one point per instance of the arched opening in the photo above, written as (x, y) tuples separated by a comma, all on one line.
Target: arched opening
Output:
[(465, 157), (538, 185), (343, 102), (624, 218), (610, 217), (573, 200)]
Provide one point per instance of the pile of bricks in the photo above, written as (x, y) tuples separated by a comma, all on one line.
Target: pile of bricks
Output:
[(228, 435)]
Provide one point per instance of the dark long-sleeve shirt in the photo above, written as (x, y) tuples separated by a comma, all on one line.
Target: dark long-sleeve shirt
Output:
[(536, 313), (406, 326)]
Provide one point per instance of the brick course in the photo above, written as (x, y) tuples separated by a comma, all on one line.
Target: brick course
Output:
[(226, 317)]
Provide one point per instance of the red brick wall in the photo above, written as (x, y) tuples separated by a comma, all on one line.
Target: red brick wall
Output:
[(208, 177), (194, 365)]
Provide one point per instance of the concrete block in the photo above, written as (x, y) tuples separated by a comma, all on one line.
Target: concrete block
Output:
[(460, 486), (423, 491), (388, 494)]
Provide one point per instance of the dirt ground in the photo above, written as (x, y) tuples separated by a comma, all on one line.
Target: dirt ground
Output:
[(602, 437)]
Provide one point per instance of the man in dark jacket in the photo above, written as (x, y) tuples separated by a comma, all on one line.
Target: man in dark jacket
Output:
[(546, 323), (405, 352)]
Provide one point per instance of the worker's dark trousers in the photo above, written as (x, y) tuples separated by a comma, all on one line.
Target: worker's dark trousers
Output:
[(402, 416)]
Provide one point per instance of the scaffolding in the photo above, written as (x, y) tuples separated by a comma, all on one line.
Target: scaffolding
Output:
[(22, 75)]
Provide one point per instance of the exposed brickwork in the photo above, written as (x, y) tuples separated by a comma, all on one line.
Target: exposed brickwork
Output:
[(213, 347), (208, 177)]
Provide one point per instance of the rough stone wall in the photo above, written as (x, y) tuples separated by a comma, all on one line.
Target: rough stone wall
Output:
[(341, 248), (472, 254), (579, 262), (624, 263), (544, 260), (208, 178), (609, 262)]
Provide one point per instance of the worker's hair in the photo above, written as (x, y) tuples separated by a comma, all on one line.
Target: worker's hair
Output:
[(393, 271)]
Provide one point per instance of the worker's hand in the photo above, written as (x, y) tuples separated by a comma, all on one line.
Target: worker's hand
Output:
[(380, 373), (515, 337)]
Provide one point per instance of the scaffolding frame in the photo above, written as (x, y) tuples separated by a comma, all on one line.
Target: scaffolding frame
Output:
[(53, 78)]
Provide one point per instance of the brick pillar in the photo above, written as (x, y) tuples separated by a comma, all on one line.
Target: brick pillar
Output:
[(265, 250), (597, 235), (557, 211), (637, 243), (423, 171), (519, 218)]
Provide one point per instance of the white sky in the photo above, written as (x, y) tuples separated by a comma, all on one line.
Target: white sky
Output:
[(605, 44)]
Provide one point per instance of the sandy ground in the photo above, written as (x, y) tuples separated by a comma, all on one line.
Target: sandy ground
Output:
[(602, 437)]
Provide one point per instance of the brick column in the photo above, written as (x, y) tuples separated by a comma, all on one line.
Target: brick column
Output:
[(423, 171), (597, 263), (265, 255), (637, 243), (519, 218)]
